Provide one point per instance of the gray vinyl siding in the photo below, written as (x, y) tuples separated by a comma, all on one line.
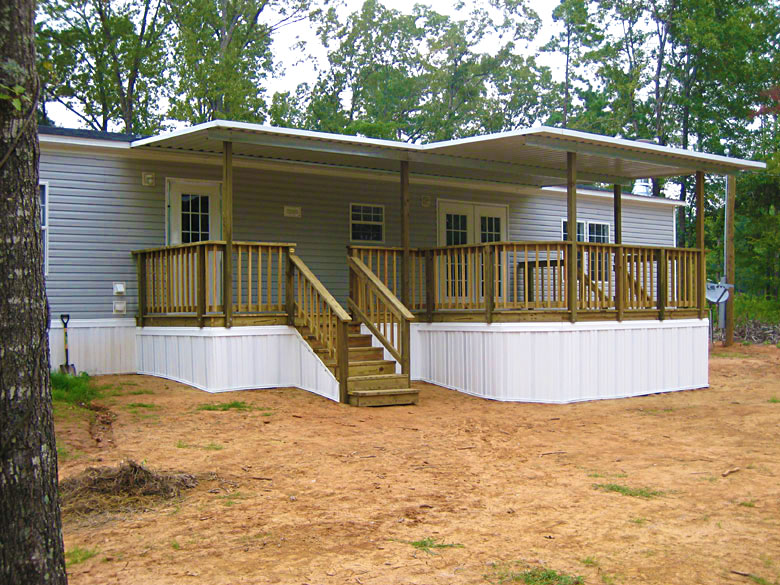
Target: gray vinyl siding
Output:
[(99, 212)]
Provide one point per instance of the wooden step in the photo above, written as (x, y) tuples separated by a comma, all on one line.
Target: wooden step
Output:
[(366, 353), (386, 397), (369, 367), (378, 382), (359, 340)]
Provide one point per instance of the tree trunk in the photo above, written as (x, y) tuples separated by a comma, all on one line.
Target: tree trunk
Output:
[(31, 550)]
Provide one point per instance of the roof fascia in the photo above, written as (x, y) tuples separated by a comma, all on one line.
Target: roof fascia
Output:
[(686, 162)]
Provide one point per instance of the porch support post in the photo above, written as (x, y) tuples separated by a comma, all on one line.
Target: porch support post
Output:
[(730, 268), (701, 277), (227, 231), (571, 261), (617, 200), (406, 264)]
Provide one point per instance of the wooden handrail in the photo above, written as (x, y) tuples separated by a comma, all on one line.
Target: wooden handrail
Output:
[(380, 311), (212, 242), (322, 314), (337, 309), (396, 305)]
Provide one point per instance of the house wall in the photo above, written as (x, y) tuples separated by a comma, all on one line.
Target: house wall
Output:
[(99, 212)]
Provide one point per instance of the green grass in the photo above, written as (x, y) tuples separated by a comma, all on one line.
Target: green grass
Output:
[(175, 545), (589, 562), (223, 406), (78, 555), (748, 504), (774, 400), (139, 392), (646, 493), (747, 343), (728, 354), (755, 308), (503, 573), (66, 453), (210, 447), (144, 405), (638, 521), (75, 390), (761, 580), (428, 545)]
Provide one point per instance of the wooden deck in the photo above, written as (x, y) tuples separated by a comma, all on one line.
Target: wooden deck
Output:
[(502, 282)]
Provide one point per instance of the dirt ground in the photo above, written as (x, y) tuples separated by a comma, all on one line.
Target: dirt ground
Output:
[(301, 490)]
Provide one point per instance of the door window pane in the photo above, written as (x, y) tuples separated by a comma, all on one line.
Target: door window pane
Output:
[(489, 229), (456, 227), (194, 218)]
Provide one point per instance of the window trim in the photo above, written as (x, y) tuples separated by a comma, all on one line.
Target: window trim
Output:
[(353, 221), (45, 229), (586, 232)]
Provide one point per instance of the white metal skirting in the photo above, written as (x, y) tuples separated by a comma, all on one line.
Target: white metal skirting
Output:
[(216, 359), (96, 346), (562, 362)]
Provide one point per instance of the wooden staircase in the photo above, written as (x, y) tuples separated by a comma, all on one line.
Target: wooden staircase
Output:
[(372, 380)]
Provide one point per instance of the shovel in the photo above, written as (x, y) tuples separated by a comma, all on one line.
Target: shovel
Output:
[(66, 368)]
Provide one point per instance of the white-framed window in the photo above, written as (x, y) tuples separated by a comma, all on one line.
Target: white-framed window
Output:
[(588, 231), (581, 230), (366, 222), (43, 193), (598, 232)]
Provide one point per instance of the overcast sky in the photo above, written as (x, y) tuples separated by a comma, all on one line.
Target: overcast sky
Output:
[(295, 69)]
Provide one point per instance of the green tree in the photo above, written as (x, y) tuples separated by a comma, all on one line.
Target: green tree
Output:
[(107, 62), (223, 55), (578, 34)]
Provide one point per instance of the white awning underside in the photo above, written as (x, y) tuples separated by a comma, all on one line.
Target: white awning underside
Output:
[(535, 156)]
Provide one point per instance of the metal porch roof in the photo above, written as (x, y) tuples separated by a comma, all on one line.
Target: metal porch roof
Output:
[(535, 156)]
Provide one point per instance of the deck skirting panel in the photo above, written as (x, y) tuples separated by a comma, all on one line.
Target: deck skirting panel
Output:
[(216, 359), (562, 362), (96, 346)]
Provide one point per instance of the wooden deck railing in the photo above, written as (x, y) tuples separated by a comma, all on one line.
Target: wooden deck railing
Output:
[(380, 310), (310, 303), (186, 280), (507, 277)]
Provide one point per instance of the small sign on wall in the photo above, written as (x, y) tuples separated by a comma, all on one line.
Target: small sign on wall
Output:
[(292, 211)]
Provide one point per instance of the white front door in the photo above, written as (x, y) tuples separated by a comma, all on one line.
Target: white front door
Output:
[(471, 223), (194, 212)]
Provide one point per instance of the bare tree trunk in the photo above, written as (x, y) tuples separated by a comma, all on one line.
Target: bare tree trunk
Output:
[(31, 550)]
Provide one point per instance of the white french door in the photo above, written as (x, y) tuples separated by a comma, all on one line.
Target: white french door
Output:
[(459, 224), (194, 212), (471, 223)]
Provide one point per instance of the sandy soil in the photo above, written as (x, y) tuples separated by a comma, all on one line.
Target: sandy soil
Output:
[(312, 492)]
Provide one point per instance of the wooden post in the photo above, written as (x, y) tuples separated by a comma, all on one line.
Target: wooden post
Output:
[(730, 268), (227, 231), (140, 266), (701, 277), (617, 202), (342, 360), (406, 352), (202, 259), (662, 285), (488, 258), (289, 288), (430, 292), (571, 206), (406, 263)]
